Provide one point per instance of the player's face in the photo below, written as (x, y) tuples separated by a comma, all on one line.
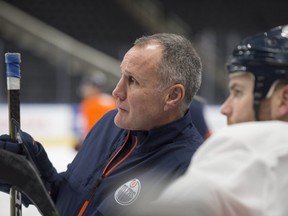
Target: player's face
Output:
[(238, 107), (140, 103)]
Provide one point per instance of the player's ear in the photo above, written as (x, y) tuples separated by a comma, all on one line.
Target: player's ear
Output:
[(283, 109), (175, 95)]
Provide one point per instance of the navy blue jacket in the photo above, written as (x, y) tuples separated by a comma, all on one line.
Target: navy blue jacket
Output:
[(196, 110), (158, 156)]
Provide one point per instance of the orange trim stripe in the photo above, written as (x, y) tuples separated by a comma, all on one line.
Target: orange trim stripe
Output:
[(82, 210), (115, 155), (124, 158), (106, 172)]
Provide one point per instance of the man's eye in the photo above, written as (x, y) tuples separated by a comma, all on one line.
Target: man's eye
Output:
[(237, 93), (131, 80)]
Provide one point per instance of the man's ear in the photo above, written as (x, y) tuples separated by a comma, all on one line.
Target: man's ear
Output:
[(283, 109), (175, 96)]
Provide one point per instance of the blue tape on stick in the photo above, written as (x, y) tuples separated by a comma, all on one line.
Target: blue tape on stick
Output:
[(12, 61)]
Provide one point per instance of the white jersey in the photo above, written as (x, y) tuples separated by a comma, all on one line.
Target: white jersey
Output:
[(242, 170)]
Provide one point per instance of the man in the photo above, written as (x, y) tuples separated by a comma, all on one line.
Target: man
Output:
[(258, 79), (241, 169), (150, 137)]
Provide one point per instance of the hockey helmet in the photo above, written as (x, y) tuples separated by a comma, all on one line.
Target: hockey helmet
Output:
[(264, 55)]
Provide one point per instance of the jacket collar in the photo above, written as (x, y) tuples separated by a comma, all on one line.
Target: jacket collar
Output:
[(150, 140)]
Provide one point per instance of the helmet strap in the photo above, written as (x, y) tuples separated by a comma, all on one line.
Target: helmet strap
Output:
[(256, 107)]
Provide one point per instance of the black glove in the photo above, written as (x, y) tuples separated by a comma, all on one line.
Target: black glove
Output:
[(4, 187), (34, 152), (5, 143)]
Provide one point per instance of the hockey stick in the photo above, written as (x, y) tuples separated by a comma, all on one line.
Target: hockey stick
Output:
[(17, 170), (12, 61)]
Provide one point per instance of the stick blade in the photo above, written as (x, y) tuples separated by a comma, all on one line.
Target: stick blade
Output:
[(17, 170)]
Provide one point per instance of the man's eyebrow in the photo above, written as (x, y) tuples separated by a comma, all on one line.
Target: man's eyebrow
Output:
[(234, 85), (129, 73)]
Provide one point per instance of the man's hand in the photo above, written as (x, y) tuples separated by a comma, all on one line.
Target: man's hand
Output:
[(37, 154), (34, 152), (7, 144)]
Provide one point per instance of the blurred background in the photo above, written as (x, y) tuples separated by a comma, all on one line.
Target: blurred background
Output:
[(61, 41)]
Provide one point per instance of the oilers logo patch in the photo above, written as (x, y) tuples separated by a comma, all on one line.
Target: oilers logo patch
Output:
[(128, 192)]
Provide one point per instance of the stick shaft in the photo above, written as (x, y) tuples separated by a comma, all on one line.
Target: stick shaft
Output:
[(13, 86), (14, 127)]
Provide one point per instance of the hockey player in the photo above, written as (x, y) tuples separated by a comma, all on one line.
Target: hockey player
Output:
[(149, 137), (241, 169), (258, 79)]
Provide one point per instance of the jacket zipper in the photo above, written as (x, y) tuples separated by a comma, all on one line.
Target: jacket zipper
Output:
[(107, 171)]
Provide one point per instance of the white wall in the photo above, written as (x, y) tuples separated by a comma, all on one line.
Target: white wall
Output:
[(50, 124), (57, 124)]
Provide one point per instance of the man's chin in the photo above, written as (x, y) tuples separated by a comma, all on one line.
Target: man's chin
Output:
[(229, 122), (119, 121)]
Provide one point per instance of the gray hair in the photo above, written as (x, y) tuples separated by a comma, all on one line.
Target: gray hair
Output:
[(180, 63)]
